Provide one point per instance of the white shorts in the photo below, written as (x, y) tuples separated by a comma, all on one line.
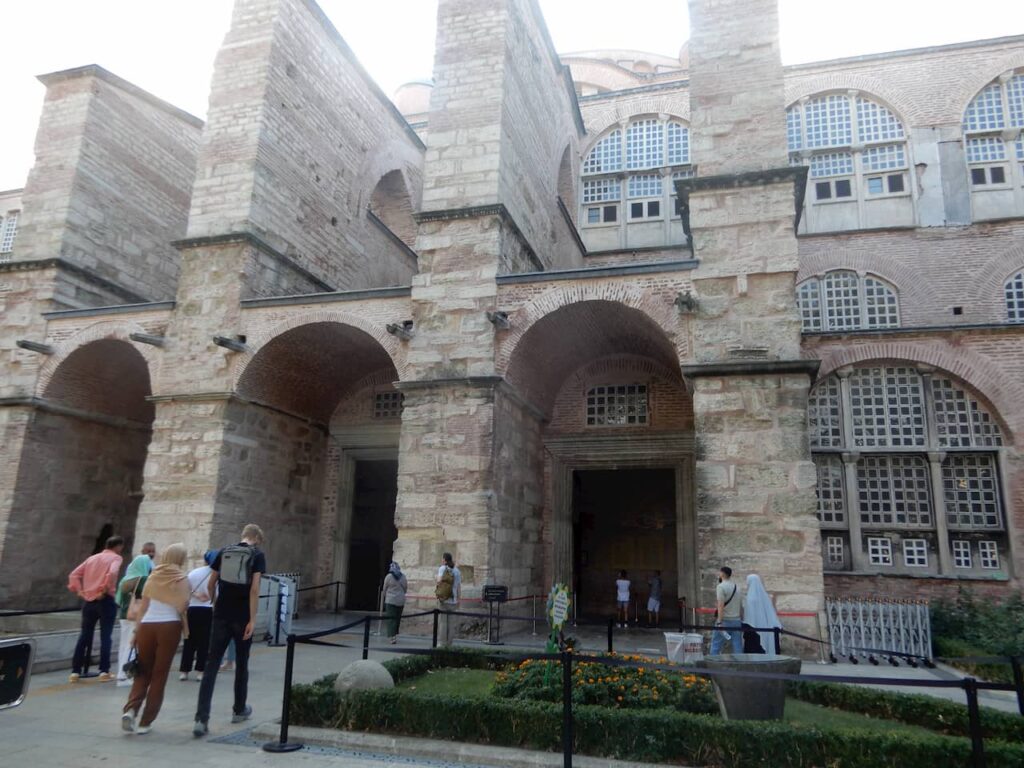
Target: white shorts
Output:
[(653, 605)]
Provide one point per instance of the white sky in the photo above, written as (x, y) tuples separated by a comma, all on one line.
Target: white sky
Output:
[(168, 48)]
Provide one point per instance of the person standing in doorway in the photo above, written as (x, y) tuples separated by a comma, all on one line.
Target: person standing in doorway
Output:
[(95, 581), (235, 579), (447, 591), (654, 599), (129, 603), (728, 625), (395, 587), (200, 618), (622, 585)]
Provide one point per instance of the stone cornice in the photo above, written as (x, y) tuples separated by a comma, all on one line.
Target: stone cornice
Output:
[(478, 382), (248, 238), (795, 174), (923, 329), (116, 309), (329, 297), (584, 273), (60, 263), (478, 211), (751, 368)]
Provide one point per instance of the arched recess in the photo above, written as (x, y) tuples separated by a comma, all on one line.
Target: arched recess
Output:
[(567, 182), (287, 455), (616, 440), (80, 476), (391, 203)]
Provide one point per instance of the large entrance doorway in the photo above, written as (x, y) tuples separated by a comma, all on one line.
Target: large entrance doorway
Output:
[(373, 531), (623, 519)]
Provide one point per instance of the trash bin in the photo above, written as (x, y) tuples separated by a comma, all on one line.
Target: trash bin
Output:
[(684, 648), (750, 698)]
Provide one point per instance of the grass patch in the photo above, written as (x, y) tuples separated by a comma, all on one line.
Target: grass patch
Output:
[(805, 715), (452, 682)]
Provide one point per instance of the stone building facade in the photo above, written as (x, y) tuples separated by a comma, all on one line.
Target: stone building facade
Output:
[(560, 316)]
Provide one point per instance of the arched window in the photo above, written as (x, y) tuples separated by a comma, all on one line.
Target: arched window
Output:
[(1014, 290), (842, 300), (854, 146), (992, 137), (905, 455), (624, 174)]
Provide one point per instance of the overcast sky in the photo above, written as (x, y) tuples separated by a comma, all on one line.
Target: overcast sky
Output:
[(168, 48)]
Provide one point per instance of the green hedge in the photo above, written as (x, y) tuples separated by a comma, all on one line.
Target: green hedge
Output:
[(650, 736), (996, 673)]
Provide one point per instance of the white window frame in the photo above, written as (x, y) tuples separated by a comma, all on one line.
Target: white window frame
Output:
[(1013, 291), (835, 551), (988, 555), (989, 123), (962, 554), (880, 551), (915, 553), (815, 314), (8, 231)]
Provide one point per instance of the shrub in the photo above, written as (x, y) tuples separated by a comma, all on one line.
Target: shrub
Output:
[(949, 647), (995, 628), (617, 687)]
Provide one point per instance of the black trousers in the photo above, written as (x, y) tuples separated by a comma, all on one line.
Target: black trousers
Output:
[(197, 644), (103, 611), (223, 632)]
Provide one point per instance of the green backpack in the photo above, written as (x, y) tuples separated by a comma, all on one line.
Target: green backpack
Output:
[(446, 586)]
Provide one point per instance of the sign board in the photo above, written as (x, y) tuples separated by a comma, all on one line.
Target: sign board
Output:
[(15, 670), (559, 602), (495, 593)]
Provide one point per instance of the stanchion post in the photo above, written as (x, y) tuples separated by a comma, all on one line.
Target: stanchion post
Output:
[(611, 633), (1018, 682), (533, 602), (282, 744), (277, 621), (776, 631), (337, 595), (433, 640), (974, 721), (366, 638), (566, 709)]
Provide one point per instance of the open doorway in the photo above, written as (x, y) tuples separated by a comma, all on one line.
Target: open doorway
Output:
[(623, 519), (373, 531)]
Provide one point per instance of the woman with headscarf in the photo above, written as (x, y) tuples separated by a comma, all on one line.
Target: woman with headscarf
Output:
[(164, 602), (200, 619), (395, 587), (759, 612), (130, 587)]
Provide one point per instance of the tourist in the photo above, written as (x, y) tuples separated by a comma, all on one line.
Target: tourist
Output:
[(654, 585), (759, 613), (200, 617), (235, 579), (164, 602), (95, 581), (622, 585), (395, 587), (129, 591), (727, 624), (447, 591)]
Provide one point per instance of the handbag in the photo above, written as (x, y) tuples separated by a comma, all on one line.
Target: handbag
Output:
[(131, 667), (134, 612)]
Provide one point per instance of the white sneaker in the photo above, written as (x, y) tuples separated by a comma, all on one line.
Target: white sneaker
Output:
[(183, 676), (128, 722), (141, 730)]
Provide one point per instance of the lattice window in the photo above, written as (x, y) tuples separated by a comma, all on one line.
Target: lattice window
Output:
[(915, 553), (388, 405), (7, 231), (971, 488), (794, 134), (678, 143), (985, 113), (646, 185), (988, 554), (832, 164), (961, 553), (1014, 289), (645, 144), (808, 299), (887, 405), (831, 500), (606, 156), (602, 190), (827, 121), (885, 158), (1015, 100), (617, 405), (894, 491), (986, 149), (876, 123), (960, 420), (842, 301), (824, 416), (880, 305), (879, 551), (835, 551)]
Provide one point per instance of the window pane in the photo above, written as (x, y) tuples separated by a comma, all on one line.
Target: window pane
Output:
[(1015, 99), (961, 553), (617, 405), (824, 419), (1014, 289), (834, 551), (653, 208), (678, 144), (988, 554), (884, 158), (831, 501), (875, 186), (915, 553), (808, 299), (893, 491), (971, 490), (823, 190), (599, 190), (832, 164), (606, 156), (978, 176), (611, 213), (593, 215), (880, 304), (960, 420), (636, 210), (997, 174), (880, 551), (7, 231), (793, 137), (895, 182), (645, 144), (986, 111), (645, 185), (887, 406), (828, 121), (843, 188), (842, 301), (876, 123), (988, 149)]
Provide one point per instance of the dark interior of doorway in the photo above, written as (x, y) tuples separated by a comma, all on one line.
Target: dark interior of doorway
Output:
[(623, 519), (373, 531)]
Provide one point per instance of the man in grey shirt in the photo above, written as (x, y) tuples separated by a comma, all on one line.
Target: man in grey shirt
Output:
[(728, 625), (654, 600)]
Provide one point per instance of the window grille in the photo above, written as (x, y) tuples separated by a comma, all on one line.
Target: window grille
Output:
[(832, 164), (794, 138), (1015, 100), (827, 121), (985, 112), (834, 551), (647, 185), (988, 554), (617, 405), (961, 553), (678, 144), (987, 149), (388, 405), (831, 504), (971, 490), (601, 190), (850, 303), (879, 551), (824, 416), (915, 553), (960, 420), (842, 300), (606, 156), (645, 143), (876, 123), (808, 299), (7, 231), (887, 405), (880, 305), (893, 491), (1015, 298), (885, 158)]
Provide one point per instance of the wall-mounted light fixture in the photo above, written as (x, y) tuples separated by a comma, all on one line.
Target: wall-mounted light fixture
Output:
[(404, 331)]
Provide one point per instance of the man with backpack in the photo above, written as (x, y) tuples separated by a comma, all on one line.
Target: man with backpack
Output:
[(235, 575), (447, 592), (727, 624)]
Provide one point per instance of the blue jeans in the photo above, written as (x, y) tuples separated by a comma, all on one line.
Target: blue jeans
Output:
[(725, 631), (222, 633), (104, 611)]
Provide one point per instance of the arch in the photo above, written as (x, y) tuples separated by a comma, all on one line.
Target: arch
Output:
[(389, 156), (566, 181), (391, 203), (988, 287), (974, 370), (972, 86), (866, 85), (603, 119)]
